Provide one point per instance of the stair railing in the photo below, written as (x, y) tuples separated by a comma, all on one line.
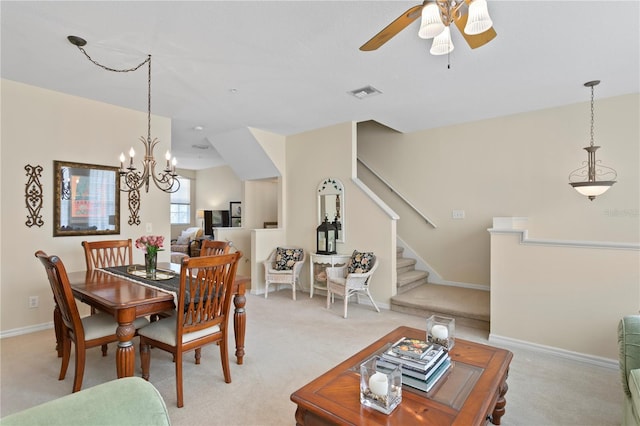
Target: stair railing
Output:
[(402, 197)]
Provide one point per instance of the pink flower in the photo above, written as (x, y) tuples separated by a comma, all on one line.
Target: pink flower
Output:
[(150, 243)]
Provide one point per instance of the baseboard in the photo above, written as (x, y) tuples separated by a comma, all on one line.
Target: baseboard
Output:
[(26, 330), (561, 353)]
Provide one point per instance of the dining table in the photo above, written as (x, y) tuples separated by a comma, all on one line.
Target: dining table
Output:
[(120, 292)]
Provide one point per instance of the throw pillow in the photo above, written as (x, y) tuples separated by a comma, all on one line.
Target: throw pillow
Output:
[(182, 241), (360, 263), (190, 235), (286, 258)]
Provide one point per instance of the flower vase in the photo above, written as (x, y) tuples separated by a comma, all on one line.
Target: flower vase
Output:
[(150, 264)]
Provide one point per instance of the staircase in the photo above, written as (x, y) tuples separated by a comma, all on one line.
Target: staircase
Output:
[(416, 296)]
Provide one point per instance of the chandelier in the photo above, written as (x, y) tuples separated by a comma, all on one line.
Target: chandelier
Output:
[(132, 179), (438, 15), (593, 178)]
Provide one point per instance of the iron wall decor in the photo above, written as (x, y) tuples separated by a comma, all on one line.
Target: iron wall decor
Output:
[(87, 199), (33, 195)]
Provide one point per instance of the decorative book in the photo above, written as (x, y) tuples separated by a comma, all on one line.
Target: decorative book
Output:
[(414, 348), (420, 364), (427, 385), (416, 373)]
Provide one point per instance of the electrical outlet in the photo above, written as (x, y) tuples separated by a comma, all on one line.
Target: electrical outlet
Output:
[(457, 214), (33, 301), (149, 228)]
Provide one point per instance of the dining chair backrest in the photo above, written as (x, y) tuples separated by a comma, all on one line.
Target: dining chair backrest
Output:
[(62, 293), (102, 254), (214, 247), (209, 282)]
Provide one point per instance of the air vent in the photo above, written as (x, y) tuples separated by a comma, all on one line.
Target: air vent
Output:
[(365, 92), (200, 146)]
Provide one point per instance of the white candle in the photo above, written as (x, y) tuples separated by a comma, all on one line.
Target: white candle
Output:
[(378, 384), (440, 332)]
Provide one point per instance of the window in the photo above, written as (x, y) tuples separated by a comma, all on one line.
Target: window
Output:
[(181, 203)]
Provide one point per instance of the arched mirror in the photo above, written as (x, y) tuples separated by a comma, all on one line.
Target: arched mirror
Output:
[(331, 205)]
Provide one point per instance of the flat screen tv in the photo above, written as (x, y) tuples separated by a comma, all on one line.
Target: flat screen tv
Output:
[(215, 219)]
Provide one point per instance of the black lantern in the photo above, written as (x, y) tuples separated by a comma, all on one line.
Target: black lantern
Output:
[(326, 238)]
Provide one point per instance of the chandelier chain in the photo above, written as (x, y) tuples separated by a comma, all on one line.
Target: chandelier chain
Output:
[(113, 69), (591, 115)]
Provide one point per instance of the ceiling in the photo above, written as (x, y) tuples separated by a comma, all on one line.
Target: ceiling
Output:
[(287, 66)]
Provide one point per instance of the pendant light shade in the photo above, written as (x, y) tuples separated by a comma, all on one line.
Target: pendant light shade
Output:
[(442, 43), (431, 24), (478, 20)]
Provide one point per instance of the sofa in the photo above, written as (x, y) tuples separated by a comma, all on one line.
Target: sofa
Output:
[(128, 401), (188, 242), (629, 347)]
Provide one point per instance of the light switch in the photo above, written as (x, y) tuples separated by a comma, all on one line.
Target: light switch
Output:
[(457, 214), (149, 228)]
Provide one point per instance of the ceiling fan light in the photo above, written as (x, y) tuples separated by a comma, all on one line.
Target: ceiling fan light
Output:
[(431, 24), (442, 43), (478, 20)]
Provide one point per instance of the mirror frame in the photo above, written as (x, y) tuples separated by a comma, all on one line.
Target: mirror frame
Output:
[(61, 190), (332, 186)]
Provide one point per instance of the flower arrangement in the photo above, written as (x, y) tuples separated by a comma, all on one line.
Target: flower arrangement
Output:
[(152, 244)]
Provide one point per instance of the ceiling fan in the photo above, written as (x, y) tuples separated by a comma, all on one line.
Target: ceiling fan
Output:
[(470, 16)]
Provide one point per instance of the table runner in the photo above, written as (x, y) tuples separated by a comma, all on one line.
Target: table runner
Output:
[(171, 285)]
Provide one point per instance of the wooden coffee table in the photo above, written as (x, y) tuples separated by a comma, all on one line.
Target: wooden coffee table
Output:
[(471, 393)]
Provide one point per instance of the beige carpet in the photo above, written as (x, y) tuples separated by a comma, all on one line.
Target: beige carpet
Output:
[(288, 344)]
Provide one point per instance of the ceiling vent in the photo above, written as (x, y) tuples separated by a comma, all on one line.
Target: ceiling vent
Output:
[(200, 146), (365, 92)]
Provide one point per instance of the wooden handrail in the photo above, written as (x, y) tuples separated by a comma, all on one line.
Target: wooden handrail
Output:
[(402, 197)]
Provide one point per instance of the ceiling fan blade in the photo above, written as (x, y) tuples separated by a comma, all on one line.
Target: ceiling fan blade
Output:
[(477, 40), (393, 28)]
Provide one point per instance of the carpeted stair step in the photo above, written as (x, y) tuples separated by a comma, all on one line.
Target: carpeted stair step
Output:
[(469, 307), (411, 279), (404, 264)]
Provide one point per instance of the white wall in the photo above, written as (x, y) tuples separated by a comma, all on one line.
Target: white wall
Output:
[(561, 296), (509, 166), (38, 127), (329, 152)]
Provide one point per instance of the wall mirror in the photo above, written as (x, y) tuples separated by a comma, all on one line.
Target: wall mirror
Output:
[(331, 204), (87, 199)]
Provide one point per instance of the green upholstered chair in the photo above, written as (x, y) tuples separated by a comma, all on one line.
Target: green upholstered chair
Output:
[(129, 401), (629, 346)]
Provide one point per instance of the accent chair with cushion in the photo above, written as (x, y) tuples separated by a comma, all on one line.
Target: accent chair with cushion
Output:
[(283, 267), (629, 348), (187, 241), (88, 332), (353, 278)]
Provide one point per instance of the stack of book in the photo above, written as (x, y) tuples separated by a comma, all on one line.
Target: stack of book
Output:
[(423, 363)]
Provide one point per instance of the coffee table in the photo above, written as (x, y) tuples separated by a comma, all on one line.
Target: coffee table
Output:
[(471, 393)]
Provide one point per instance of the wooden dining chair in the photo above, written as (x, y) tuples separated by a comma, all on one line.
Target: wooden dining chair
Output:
[(104, 254), (88, 332), (206, 292), (214, 247)]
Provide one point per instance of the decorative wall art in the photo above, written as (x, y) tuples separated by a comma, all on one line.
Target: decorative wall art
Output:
[(235, 212), (33, 195)]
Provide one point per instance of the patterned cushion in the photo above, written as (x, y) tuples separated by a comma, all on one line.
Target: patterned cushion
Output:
[(182, 240), (360, 263), (286, 257)]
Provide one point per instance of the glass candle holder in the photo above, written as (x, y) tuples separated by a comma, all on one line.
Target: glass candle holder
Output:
[(441, 330), (380, 388)]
